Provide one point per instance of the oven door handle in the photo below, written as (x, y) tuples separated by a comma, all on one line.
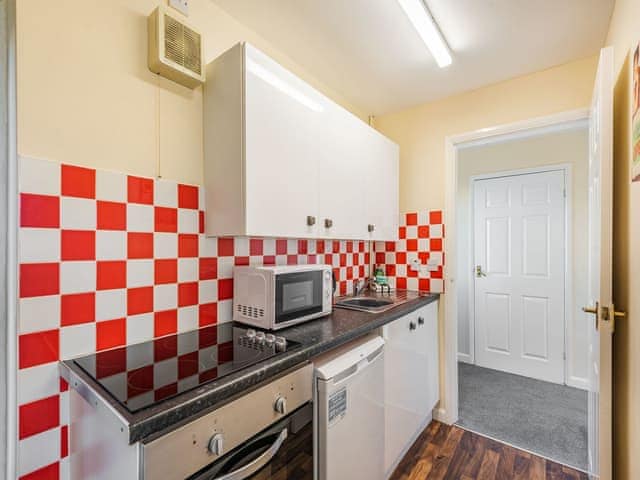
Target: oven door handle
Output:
[(251, 468)]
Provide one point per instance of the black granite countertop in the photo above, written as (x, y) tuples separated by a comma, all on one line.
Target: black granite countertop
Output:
[(316, 337)]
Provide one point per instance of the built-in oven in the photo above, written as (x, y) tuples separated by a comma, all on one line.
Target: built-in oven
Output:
[(273, 297)]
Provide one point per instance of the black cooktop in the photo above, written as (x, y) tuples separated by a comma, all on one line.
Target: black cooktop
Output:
[(144, 374)]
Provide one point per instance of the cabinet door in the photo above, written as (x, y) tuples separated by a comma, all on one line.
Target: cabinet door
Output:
[(341, 177), (427, 319), (285, 120), (382, 208)]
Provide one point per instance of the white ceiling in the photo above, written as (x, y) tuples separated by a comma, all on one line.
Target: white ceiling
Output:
[(368, 51)]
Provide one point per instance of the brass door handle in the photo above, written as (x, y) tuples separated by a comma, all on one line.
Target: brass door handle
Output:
[(479, 272), (608, 314), (593, 310)]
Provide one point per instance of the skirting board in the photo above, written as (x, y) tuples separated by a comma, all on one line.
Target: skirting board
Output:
[(465, 358)]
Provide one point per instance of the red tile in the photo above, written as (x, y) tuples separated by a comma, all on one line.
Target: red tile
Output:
[(225, 352), (207, 314), (188, 196), (140, 190), (166, 271), (64, 385), (78, 181), (437, 273), (269, 260), (39, 416), (78, 245), (424, 285), (50, 472), (207, 375), (110, 334), (312, 259), (139, 381), (367, 257), (187, 294), (256, 246), (423, 231), (402, 233), (165, 392), (401, 283), (139, 300), (282, 246), (164, 348), (424, 257), (411, 218), (64, 441), (208, 268), (111, 275), (412, 244), (380, 257), (42, 211), (188, 365), (225, 289), (39, 279), (111, 215), (343, 259), (166, 219), (336, 246), (38, 348), (225, 247), (302, 247), (435, 217), (165, 323), (401, 258), (343, 288), (111, 362), (139, 245), (328, 258), (361, 247), (187, 245), (292, 259), (390, 270), (201, 221), (241, 261), (320, 246), (435, 244), (207, 337), (411, 273), (389, 246), (77, 308)]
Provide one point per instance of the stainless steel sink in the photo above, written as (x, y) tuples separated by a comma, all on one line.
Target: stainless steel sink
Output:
[(365, 304)]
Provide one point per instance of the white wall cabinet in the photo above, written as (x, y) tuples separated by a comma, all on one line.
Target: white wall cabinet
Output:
[(277, 152), (411, 379)]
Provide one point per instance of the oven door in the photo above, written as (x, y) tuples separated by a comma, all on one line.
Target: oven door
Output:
[(284, 451), (298, 295)]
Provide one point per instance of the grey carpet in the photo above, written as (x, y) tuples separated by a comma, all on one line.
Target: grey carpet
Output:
[(544, 418)]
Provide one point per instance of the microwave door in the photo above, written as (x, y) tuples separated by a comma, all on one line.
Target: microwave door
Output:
[(298, 295)]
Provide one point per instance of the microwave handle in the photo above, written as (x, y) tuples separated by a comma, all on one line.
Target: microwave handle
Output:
[(251, 468)]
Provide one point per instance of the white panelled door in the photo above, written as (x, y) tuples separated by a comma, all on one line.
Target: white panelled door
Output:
[(519, 242)]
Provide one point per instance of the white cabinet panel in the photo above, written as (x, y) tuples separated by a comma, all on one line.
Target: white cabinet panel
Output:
[(382, 189)]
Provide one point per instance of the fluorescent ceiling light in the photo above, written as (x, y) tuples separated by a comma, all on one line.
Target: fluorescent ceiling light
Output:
[(426, 27), (275, 81)]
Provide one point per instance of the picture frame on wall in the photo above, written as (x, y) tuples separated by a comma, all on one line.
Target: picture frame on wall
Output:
[(635, 117)]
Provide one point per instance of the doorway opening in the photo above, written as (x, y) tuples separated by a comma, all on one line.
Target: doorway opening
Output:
[(521, 214)]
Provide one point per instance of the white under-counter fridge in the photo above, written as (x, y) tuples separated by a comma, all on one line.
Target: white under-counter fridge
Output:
[(349, 423)]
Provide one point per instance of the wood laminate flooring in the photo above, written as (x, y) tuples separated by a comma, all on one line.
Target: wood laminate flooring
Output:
[(449, 452)]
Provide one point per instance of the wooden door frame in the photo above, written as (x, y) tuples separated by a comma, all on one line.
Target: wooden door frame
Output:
[(447, 411), (568, 304)]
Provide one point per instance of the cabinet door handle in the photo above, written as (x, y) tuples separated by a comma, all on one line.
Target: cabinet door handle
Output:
[(328, 223), (311, 220), (371, 227), (412, 325), (420, 321)]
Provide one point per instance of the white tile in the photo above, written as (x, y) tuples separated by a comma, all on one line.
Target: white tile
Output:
[(423, 218), (208, 291), (165, 297), (188, 221), (38, 314), (39, 245), (269, 246), (166, 193), (38, 382), (188, 383), (208, 357), (412, 232), (436, 285), (39, 176), (117, 384), (401, 245), (165, 372), (241, 246), (139, 328), (140, 273), (208, 246), (401, 270), (65, 469), (435, 231), (38, 451), (111, 245), (225, 311), (140, 356), (187, 270), (77, 277), (280, 260), (77, 213), (423, 244), (111, 186), (140, 218), (225, 267), (77, 340), (64, 408), (292, 246), (111, 304), (435, 258), (412, 283), (202, 197), (187, 321), (302, 259), (141, 401), (165, 245)]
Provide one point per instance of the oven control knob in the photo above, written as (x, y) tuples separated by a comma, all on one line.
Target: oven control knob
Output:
[(260, 337), (216, 444), (281, 344), (270, 338), (251, 333), (281, 405)]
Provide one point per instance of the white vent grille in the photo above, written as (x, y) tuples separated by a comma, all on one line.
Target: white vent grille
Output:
[(182, 45), (250, 312)]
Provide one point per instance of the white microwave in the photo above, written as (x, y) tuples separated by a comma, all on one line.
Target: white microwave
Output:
[(274, 297)]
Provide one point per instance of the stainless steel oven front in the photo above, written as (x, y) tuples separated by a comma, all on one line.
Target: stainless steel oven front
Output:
[(263, 435)]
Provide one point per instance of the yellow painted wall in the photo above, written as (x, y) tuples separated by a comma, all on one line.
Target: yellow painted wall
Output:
[(421, 131), (624, 33), (85, 95)]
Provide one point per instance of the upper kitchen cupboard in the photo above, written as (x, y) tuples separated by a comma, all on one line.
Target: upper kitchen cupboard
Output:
[(281, 159)]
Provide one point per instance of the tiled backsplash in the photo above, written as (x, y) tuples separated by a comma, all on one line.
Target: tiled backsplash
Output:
[(421, 242), (108, 259)]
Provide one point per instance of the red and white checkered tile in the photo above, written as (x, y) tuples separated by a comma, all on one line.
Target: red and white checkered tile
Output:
[(420, 243), (109, 259)]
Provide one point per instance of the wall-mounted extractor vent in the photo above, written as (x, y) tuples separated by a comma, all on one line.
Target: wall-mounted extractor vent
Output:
[(175, 49)]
